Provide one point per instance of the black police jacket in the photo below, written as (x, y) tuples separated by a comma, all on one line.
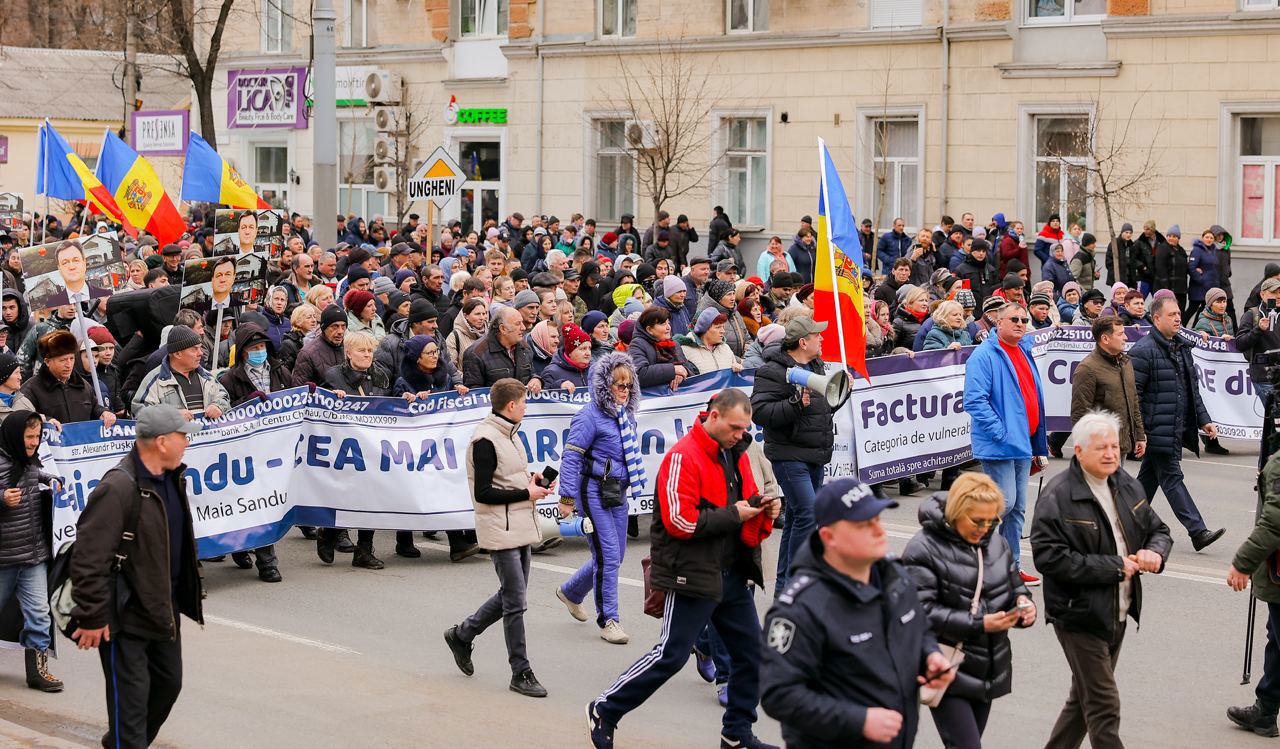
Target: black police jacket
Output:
[(1075, 549), (835, 647)]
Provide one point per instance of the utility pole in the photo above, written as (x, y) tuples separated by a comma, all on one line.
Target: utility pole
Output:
[(324, 124), (130, 68)]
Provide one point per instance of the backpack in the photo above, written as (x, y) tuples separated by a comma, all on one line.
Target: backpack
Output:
[(61, 588)]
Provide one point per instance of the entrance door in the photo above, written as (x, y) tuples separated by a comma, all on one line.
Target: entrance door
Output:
[(481, 161)]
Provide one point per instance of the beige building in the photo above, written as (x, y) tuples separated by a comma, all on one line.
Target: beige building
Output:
[(961, 105)]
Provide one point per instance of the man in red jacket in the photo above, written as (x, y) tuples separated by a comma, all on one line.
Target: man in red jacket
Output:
[(708, 525)]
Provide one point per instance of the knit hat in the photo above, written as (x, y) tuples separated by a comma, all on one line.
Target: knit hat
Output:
[(771, 333), (672, 285), (332, 315), (966, 299), (1093, 295), (1173, 231), (1163, 294), (181, 338), (1118, 290), (1040, 299), (395, 299), (571, 336), (99, 335), (936, 277), (905, 289), (1071, 286), (8, 363), (413, 346), (355, 273), (592, 319), (420, 310), (632, 306), (1012, 281), (716, 289), (710, 316), (992, 303), (609, 238), (1126, 226), (626, 330), (383, 285), (805, 292), (355, 301), (744, 307), (525, 298), (980, 232)]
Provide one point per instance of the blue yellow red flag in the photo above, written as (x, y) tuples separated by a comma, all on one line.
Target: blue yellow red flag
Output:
[(837, 282), (138, 190), (209, 178), (62, 174)]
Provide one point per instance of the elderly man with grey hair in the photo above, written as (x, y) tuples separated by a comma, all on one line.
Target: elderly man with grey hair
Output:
[(1093, 533)]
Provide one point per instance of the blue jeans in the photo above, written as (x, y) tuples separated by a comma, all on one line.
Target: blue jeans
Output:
[(1012, 477), (1263, 389), (33, 597), (800, 482)]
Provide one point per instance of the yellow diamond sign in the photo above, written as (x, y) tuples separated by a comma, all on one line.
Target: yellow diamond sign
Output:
[(437, 180)]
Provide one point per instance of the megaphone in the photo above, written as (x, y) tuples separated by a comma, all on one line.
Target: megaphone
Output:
[(574, 527), (834, 387)]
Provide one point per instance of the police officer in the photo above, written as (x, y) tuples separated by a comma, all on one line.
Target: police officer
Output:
[(847, 643)]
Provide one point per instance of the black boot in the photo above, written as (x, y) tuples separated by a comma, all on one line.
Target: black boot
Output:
[(1212, 446), (405, 547), (877, 491), (270, 575), (364, 557), (308, 532), (1255, 718), (527, 684), (907, 487), (242, 560), (38, 676), (343, 544), (633, 526), (324, 545)]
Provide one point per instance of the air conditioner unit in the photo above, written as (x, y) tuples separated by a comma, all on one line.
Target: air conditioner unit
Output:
[(384, 149), (384, 178), (382, 87), (389, 119), (641, 135)]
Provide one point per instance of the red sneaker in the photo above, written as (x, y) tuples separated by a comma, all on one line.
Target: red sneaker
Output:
[(1031, 581)]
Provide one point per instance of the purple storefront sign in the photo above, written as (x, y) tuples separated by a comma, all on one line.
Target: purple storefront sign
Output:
[(4, 149), (267, 98), (160, 133)]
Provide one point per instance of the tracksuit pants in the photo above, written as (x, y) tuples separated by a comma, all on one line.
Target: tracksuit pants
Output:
[(599, 575), (143, 680), (683, 619)]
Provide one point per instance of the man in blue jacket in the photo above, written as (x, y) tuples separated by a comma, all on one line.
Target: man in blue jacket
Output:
[(893, 244), (1003, 397)]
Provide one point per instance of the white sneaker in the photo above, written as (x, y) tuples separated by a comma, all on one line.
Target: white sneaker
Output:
[(576, 610), (612, 632)]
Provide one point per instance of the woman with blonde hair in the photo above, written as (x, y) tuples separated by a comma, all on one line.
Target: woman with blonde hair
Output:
[(949, 329), (319, 296), (971, 590)]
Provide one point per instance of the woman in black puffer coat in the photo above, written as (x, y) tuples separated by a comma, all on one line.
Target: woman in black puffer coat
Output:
[(943, 559)]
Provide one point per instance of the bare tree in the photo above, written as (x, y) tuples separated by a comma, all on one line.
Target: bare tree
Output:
[(1121, 165), (198, 28), (409, 123), (671, 99)]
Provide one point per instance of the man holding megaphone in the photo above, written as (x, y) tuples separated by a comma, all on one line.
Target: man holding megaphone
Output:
[(799, 432)]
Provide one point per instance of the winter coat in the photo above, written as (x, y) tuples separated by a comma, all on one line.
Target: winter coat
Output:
[(718, 227), (655, 364), (559, 371), (1075, 551), (1124, 248), (1142, 256), (25, 529), (922, 268), (67, 402), (1214, 325), (1129, 320), (1165, 377), (1011, 249), (726, 251), (1083, 266), (804, 258), (1255, 555), (593, 448), (887, 291), (538, 358), (1254, 342), (290, 344), (374, 327), (1056, 271), (680, 241), (1224, 261), (1067, 310), (696, 533), (1106, 382), (754, 358), (971, 327), (373, 382), (1203, 270), (279, 325), (314, 360), (488, 361), (706, 360), (945, 568), (1170, 268), (22, 323), (905, 327), (994, 402), (890, 247), (792, 430), (981, 277), (461, 338), (836, 648), (159, 386), (940, 337)]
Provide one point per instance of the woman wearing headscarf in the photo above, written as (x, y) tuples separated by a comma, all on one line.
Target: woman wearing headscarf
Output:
[(721, 296), (568, 368), (602, 470), (543, 341)]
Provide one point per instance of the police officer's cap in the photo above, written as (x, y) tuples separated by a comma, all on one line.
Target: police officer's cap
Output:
[(847, 499)]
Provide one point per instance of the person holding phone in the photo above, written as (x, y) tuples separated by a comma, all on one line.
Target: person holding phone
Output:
[(600, 471), (1259, 337), (971, 608)]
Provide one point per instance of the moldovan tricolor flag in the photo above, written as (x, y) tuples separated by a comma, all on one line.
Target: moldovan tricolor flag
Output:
[(138, 190), (61, 174), (209, 178), (837, 277)]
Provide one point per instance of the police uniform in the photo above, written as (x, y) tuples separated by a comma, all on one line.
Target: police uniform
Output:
[(835, 647)]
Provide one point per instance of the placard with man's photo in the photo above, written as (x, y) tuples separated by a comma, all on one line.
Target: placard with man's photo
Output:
[(62, 271), (230, 282), (239, 232)]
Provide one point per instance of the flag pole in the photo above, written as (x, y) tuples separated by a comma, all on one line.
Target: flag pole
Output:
[(831, 255), (44, 159)]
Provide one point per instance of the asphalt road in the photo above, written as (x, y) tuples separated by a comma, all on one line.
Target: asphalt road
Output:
[(337, 656)]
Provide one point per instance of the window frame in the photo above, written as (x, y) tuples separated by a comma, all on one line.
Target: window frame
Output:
[(284, 27), (501, 20), (1271, 180), (1068, 18), (619, 21), (591, 183), (1254, 6), (280, 190), (721, 150), (866, 179), (752, 13), (871, 14), (348, 42), (1026, 154)]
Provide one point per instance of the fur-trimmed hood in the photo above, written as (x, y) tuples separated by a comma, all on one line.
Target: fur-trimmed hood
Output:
[(601, 377)]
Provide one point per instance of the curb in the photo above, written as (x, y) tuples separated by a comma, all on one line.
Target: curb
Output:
[(14, 735)]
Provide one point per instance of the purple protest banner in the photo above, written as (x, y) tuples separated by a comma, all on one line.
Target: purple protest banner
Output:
[(267, 98)]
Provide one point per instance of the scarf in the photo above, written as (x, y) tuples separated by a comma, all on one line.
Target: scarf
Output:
[(631, 452)]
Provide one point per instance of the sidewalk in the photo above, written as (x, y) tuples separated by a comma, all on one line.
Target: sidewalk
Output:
[(14, 735)]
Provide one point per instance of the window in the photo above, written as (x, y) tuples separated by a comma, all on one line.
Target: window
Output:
[(896, 179), (357, 23), (618, 17), (615, 175), (746, 163), (271, 173), (1259, 177), (1061, 179), (1065, 11), (890, 14), (355, 152), (483, 18), (480, 199), (1260, 4), (276, 26), (748, 15)]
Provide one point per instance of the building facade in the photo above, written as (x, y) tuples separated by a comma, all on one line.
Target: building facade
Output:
[(929, 106)]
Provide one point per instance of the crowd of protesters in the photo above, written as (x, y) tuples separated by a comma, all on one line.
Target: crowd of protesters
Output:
[(530, 304)]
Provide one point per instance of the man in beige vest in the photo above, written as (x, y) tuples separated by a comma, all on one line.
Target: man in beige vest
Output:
[(503, 493)]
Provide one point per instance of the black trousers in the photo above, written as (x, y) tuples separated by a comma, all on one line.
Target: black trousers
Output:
[(1268, 690), (961, 721), (1093, 707), (143, 679)]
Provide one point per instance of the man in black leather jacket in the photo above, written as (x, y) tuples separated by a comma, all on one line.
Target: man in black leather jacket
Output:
[(1094, 531)]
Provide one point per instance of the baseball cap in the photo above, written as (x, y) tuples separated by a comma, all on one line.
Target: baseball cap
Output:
[(726, 264), (847, 499), (802, 326), (161, 419)]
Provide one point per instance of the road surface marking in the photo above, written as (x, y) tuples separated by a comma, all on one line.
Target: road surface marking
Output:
[(295, 639), (538, 565)]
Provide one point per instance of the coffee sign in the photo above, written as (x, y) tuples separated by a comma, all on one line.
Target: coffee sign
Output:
[(267, 98)]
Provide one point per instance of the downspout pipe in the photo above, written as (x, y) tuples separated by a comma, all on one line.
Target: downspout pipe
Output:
[(946, 104), (537, 159)]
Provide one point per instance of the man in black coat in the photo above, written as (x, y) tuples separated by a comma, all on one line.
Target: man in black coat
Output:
[(1165, 376), (58, 391), (977, 271), (1094, 531), (847, 645), (799, 432), (500, 353)]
